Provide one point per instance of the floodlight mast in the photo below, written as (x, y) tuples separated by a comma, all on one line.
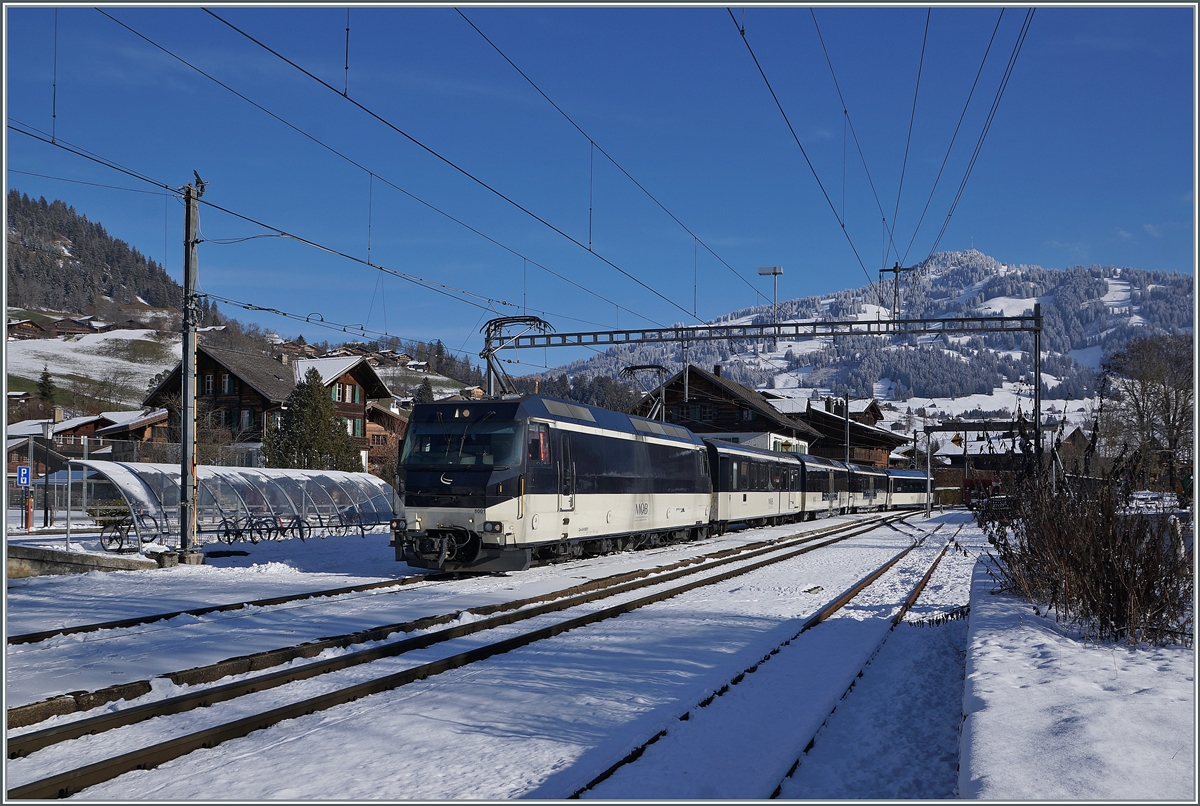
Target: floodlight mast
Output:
[(773, 272)]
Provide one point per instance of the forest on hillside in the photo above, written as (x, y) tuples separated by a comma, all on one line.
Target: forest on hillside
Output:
[(58, 260)]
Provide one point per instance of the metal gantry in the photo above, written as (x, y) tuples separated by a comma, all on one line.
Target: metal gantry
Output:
[(496, 340)]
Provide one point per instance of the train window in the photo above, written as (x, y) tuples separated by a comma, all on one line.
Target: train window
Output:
[(477, 443), (539, 444), (743, 471)]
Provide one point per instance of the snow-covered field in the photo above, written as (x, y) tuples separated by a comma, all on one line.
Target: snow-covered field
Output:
[(129, 358), (1047, 717)]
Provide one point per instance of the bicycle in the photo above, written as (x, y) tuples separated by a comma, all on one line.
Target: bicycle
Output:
[(114, 534)]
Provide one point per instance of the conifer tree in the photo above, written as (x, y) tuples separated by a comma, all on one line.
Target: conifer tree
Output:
[(45, 387), (310, 435)]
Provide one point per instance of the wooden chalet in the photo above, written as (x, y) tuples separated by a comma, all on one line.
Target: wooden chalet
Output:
[(386, 427), (26, 329), (868, 445), (237, 392), (706, 403)]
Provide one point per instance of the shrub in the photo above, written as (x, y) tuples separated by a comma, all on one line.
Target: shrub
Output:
[(1075, 547)]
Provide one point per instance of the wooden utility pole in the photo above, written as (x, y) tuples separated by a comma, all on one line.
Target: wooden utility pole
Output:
[(187, 462)]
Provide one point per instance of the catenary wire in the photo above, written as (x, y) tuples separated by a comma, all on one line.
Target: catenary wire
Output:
[(363, 168), (853, 132), (954, 137), (1012, 61), (367, 110), (431, 285), (803, 153), (607, 156), (911, 120), (81, 182)]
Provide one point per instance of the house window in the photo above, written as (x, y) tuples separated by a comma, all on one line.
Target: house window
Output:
[(747, 414), (226, 384), (358, 426), (379, 439), (357, 393), (247, 419), (208, 384), (337, 391), (274, 418), (349, 426)]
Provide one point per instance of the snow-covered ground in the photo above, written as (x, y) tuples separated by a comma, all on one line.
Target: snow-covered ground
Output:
[(129, 358), (1047, 717)]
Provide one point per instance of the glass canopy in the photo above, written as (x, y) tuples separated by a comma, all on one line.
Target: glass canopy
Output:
[(323, 498)]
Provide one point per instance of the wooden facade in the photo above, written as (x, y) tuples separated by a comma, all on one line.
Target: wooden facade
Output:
[(706, 403), (238, 393)]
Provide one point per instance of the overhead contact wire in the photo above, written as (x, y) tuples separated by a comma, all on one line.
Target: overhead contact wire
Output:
[(803, 153), (1012, 61), (364, 169), (954, 137), (607, 156), (450, 163), (911, 120)]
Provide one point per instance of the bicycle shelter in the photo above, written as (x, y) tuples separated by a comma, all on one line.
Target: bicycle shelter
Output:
[(322, 498)]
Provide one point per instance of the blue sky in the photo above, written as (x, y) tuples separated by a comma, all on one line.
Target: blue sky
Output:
[(1089, 158)]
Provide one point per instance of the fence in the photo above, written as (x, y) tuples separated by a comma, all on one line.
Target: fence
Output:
[(131, 450)]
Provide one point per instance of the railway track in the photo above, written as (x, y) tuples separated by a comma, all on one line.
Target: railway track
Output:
[(78, 702), (684, 576), (153, 618), (638, 752)]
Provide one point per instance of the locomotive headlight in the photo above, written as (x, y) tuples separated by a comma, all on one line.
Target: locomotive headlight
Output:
[(399, 524), (495, 527)]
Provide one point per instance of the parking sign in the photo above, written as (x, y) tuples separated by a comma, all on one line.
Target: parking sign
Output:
[(23, 475)]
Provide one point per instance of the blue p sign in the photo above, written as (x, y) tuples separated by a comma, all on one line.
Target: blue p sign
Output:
[(23, 476)]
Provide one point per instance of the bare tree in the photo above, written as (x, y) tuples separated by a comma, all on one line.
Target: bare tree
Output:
[(1152, 398)]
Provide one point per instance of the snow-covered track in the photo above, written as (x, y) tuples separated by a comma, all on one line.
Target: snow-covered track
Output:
[(823, 614), (138, 621), (78, 702), (896, 619), (696, 572)]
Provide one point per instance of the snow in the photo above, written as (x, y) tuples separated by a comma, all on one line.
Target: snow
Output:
[(543, 721), (1118, 296), (88, 356), (1089, 356), (1008, 306), (1080, 721)]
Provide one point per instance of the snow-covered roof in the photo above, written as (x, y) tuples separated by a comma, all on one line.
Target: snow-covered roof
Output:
[(142, 418), (123, 417), (330, 368)]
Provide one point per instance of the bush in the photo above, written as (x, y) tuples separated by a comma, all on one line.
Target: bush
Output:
[(1077, 549), (107, 513)]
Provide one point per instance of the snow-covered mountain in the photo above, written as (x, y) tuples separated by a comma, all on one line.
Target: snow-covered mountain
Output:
[(1088, 314)]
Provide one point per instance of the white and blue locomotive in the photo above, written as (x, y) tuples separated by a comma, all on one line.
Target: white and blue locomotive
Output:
[(497, 484)]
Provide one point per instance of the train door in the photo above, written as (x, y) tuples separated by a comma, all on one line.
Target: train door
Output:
[(566, 474), (792, 480)]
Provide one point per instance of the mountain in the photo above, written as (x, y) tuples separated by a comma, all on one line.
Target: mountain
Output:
[(59, 260), (1088, 314)]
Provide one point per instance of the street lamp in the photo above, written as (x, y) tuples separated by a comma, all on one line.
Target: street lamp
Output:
[(48, 434), (773, 272)]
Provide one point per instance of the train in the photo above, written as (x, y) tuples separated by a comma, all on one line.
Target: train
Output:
[(498, 484)]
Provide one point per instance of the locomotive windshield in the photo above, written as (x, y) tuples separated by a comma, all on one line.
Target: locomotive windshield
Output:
[(484, 443)]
